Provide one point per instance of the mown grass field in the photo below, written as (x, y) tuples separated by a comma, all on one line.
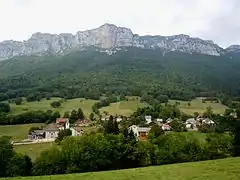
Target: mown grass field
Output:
[(33, 150), (44, 105), (196, 105), (125, 108), (17, 132), (224, 169)]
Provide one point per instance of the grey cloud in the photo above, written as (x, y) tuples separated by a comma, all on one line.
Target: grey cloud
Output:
[(225, 29)]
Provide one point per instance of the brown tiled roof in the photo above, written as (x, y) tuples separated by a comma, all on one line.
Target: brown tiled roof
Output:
[(51, 127), (81, 122), (78, 129), (61, 120)]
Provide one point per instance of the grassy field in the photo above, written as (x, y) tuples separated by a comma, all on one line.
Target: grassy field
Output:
[(224, 169), (17, 132), (124, 108), (44, 105), (33, 150), (196, 105)]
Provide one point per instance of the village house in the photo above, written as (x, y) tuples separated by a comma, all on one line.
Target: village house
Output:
[(81, 123), (118, 119), (191, 123), (169, 120), (140, 132), (50, 131), (76, 131), (148, 119), (166, 127), (36, 135)]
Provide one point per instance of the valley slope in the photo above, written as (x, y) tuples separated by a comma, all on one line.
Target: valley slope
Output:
[(133, 71)]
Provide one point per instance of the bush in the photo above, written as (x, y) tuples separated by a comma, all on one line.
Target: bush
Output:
[(177, 148), (155, 132), (206, 128), (4, 107), (219, 145), (178, 126), (18, 101), (56, 104), (62, 134), (19, 165)]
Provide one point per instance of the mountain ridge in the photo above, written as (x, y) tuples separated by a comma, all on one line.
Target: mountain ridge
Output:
[(107, 37)]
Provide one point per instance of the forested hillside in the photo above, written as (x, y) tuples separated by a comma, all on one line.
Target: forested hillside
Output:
[(142, 72)]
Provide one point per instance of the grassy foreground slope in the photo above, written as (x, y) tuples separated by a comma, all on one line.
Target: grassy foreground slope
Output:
[(224, 169)]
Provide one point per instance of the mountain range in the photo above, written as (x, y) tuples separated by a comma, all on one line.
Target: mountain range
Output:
[(108, 38)]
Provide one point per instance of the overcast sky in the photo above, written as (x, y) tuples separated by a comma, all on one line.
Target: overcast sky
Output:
[(217, 20)]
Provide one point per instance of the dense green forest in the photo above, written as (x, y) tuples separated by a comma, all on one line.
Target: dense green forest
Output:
[(142, 72)]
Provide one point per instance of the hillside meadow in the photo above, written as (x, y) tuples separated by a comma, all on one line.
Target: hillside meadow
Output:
[(196, 105), (223, 169), (45, 105), (33, 150), (124, 108)]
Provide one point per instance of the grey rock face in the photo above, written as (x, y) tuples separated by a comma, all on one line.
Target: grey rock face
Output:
[(106, 37), (233, 48)]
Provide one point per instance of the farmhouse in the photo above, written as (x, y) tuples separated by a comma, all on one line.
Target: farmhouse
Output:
[(148, 119), (140, 132), (208, 121), (166, 127), (191, 123), (50, 131)]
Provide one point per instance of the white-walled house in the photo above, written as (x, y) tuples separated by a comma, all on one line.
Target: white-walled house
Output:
[(208, 121), (50, 131), (191, 123), (148, 119), (166, 127), (76, 131), (140, 132)]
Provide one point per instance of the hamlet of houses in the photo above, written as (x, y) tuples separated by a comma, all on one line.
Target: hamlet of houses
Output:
[(50, 131), (191, 124)]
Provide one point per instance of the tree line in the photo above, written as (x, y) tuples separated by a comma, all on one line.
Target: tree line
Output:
[(104, 103), (29, 117)]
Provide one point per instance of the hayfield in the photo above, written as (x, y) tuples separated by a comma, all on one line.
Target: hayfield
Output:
[(196, 105), (223, 169), (33, 150), (124, 108), (44, 105)]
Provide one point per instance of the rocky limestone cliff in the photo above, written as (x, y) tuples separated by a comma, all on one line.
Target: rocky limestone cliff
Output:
[(233, 48), (106, 37)]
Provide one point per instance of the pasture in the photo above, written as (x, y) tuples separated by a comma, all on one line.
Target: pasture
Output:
[(196, 105), (223, 169)]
